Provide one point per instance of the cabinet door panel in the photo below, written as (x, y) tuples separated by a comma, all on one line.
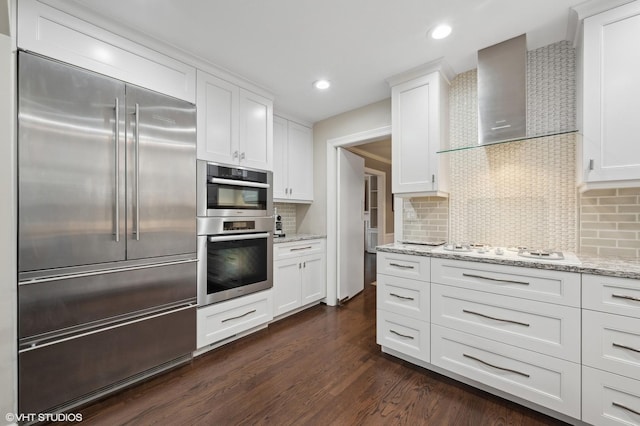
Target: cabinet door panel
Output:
[(280, 158), (286, 286), (217, 119), (612, 94), (314, 285), (300, 162), (256, 131)]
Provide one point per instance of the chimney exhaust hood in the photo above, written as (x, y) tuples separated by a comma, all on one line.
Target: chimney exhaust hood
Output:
[(502, 97)]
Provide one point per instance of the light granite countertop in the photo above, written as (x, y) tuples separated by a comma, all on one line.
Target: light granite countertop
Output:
[(608, 266), (289, 238)]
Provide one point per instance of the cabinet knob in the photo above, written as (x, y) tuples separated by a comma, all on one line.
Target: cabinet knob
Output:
[(242, 156), (235, 154)]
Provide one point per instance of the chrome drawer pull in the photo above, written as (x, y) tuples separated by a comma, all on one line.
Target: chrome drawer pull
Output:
[(402, 335), (401, 266), (401, 297), (495, 279), (239, 316), (495, 366), (301, 248), (615, 404), (494, 318), (617, 345), (624, 296)]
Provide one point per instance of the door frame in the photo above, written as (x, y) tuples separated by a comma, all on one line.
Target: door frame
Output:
[(333, 144)]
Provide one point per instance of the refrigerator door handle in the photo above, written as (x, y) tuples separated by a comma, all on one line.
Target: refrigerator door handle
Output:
[(117, 173), (137, 171)]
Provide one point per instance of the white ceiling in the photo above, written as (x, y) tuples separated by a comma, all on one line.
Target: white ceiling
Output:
[(285, 45)]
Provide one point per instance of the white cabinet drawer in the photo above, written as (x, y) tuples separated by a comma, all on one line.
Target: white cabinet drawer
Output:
[(536, 284), (403, 265), (542, 327), (297, 248), (541, 379), (609, 399), (403, 296), (406, 335), (222, 320), (611, 294), (611, 343)]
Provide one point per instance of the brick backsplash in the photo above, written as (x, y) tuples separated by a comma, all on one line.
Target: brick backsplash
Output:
[(288, 213), (426, 219), (610, 222)]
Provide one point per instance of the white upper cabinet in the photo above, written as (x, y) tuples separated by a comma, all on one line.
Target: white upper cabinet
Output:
[(235, 126), (419, 130), (45, 30), (611, 99), (293, 162)]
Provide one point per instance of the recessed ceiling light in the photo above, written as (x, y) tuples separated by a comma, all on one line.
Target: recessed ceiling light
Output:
[(441, 31), (321, 84)]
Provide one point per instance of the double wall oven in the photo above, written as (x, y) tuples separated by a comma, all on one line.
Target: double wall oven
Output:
[(235, 231)]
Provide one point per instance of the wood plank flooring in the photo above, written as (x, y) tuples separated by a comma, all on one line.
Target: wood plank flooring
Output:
[(319, 367)]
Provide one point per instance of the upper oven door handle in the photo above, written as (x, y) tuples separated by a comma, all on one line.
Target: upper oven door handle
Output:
[(237, 237), (239, 183)]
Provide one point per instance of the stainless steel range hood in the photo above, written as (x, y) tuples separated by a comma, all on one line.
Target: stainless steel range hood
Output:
[(502, 98)]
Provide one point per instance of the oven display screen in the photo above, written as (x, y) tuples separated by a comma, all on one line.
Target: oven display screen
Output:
[(239, 225)]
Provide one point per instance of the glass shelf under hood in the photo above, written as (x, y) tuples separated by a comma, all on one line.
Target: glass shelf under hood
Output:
[(521, 139)]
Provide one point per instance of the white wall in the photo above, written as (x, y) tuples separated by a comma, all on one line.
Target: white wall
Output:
[(8, 310), (314, 218)]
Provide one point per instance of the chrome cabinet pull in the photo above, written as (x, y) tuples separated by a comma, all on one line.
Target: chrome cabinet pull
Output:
[(401, 266), (624, 296), (242, 156), (591, 164), (401, 335), (615, 404), (300, 248), (494, 279), (239, 316), (137, 171), (495, 366), (494, 318), (235, 154), (401, 297), (117, 177), (617, 345)]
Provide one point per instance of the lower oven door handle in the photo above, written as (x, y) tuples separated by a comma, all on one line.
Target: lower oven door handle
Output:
[(239, 237)]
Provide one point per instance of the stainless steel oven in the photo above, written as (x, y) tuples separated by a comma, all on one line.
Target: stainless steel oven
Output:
[(233, 191), (235, 257)]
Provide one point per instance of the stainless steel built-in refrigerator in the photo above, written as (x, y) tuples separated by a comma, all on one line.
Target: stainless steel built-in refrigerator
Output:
[(107, 233)]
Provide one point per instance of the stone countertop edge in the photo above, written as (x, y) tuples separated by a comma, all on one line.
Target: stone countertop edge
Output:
[(594, 265), (297, 237)]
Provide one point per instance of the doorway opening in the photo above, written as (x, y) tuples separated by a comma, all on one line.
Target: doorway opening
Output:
[(359, 144)]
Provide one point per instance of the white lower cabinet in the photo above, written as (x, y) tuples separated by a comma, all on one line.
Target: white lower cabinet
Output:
[(224, 320), (529, 324), (511, 330), (541, 379), (298, 275), (407, 335), (609, 399)]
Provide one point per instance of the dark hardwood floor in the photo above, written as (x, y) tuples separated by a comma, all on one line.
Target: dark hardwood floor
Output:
[(319, 367), (369, 268)]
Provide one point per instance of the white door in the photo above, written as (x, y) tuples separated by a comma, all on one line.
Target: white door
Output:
[(350, 224)]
